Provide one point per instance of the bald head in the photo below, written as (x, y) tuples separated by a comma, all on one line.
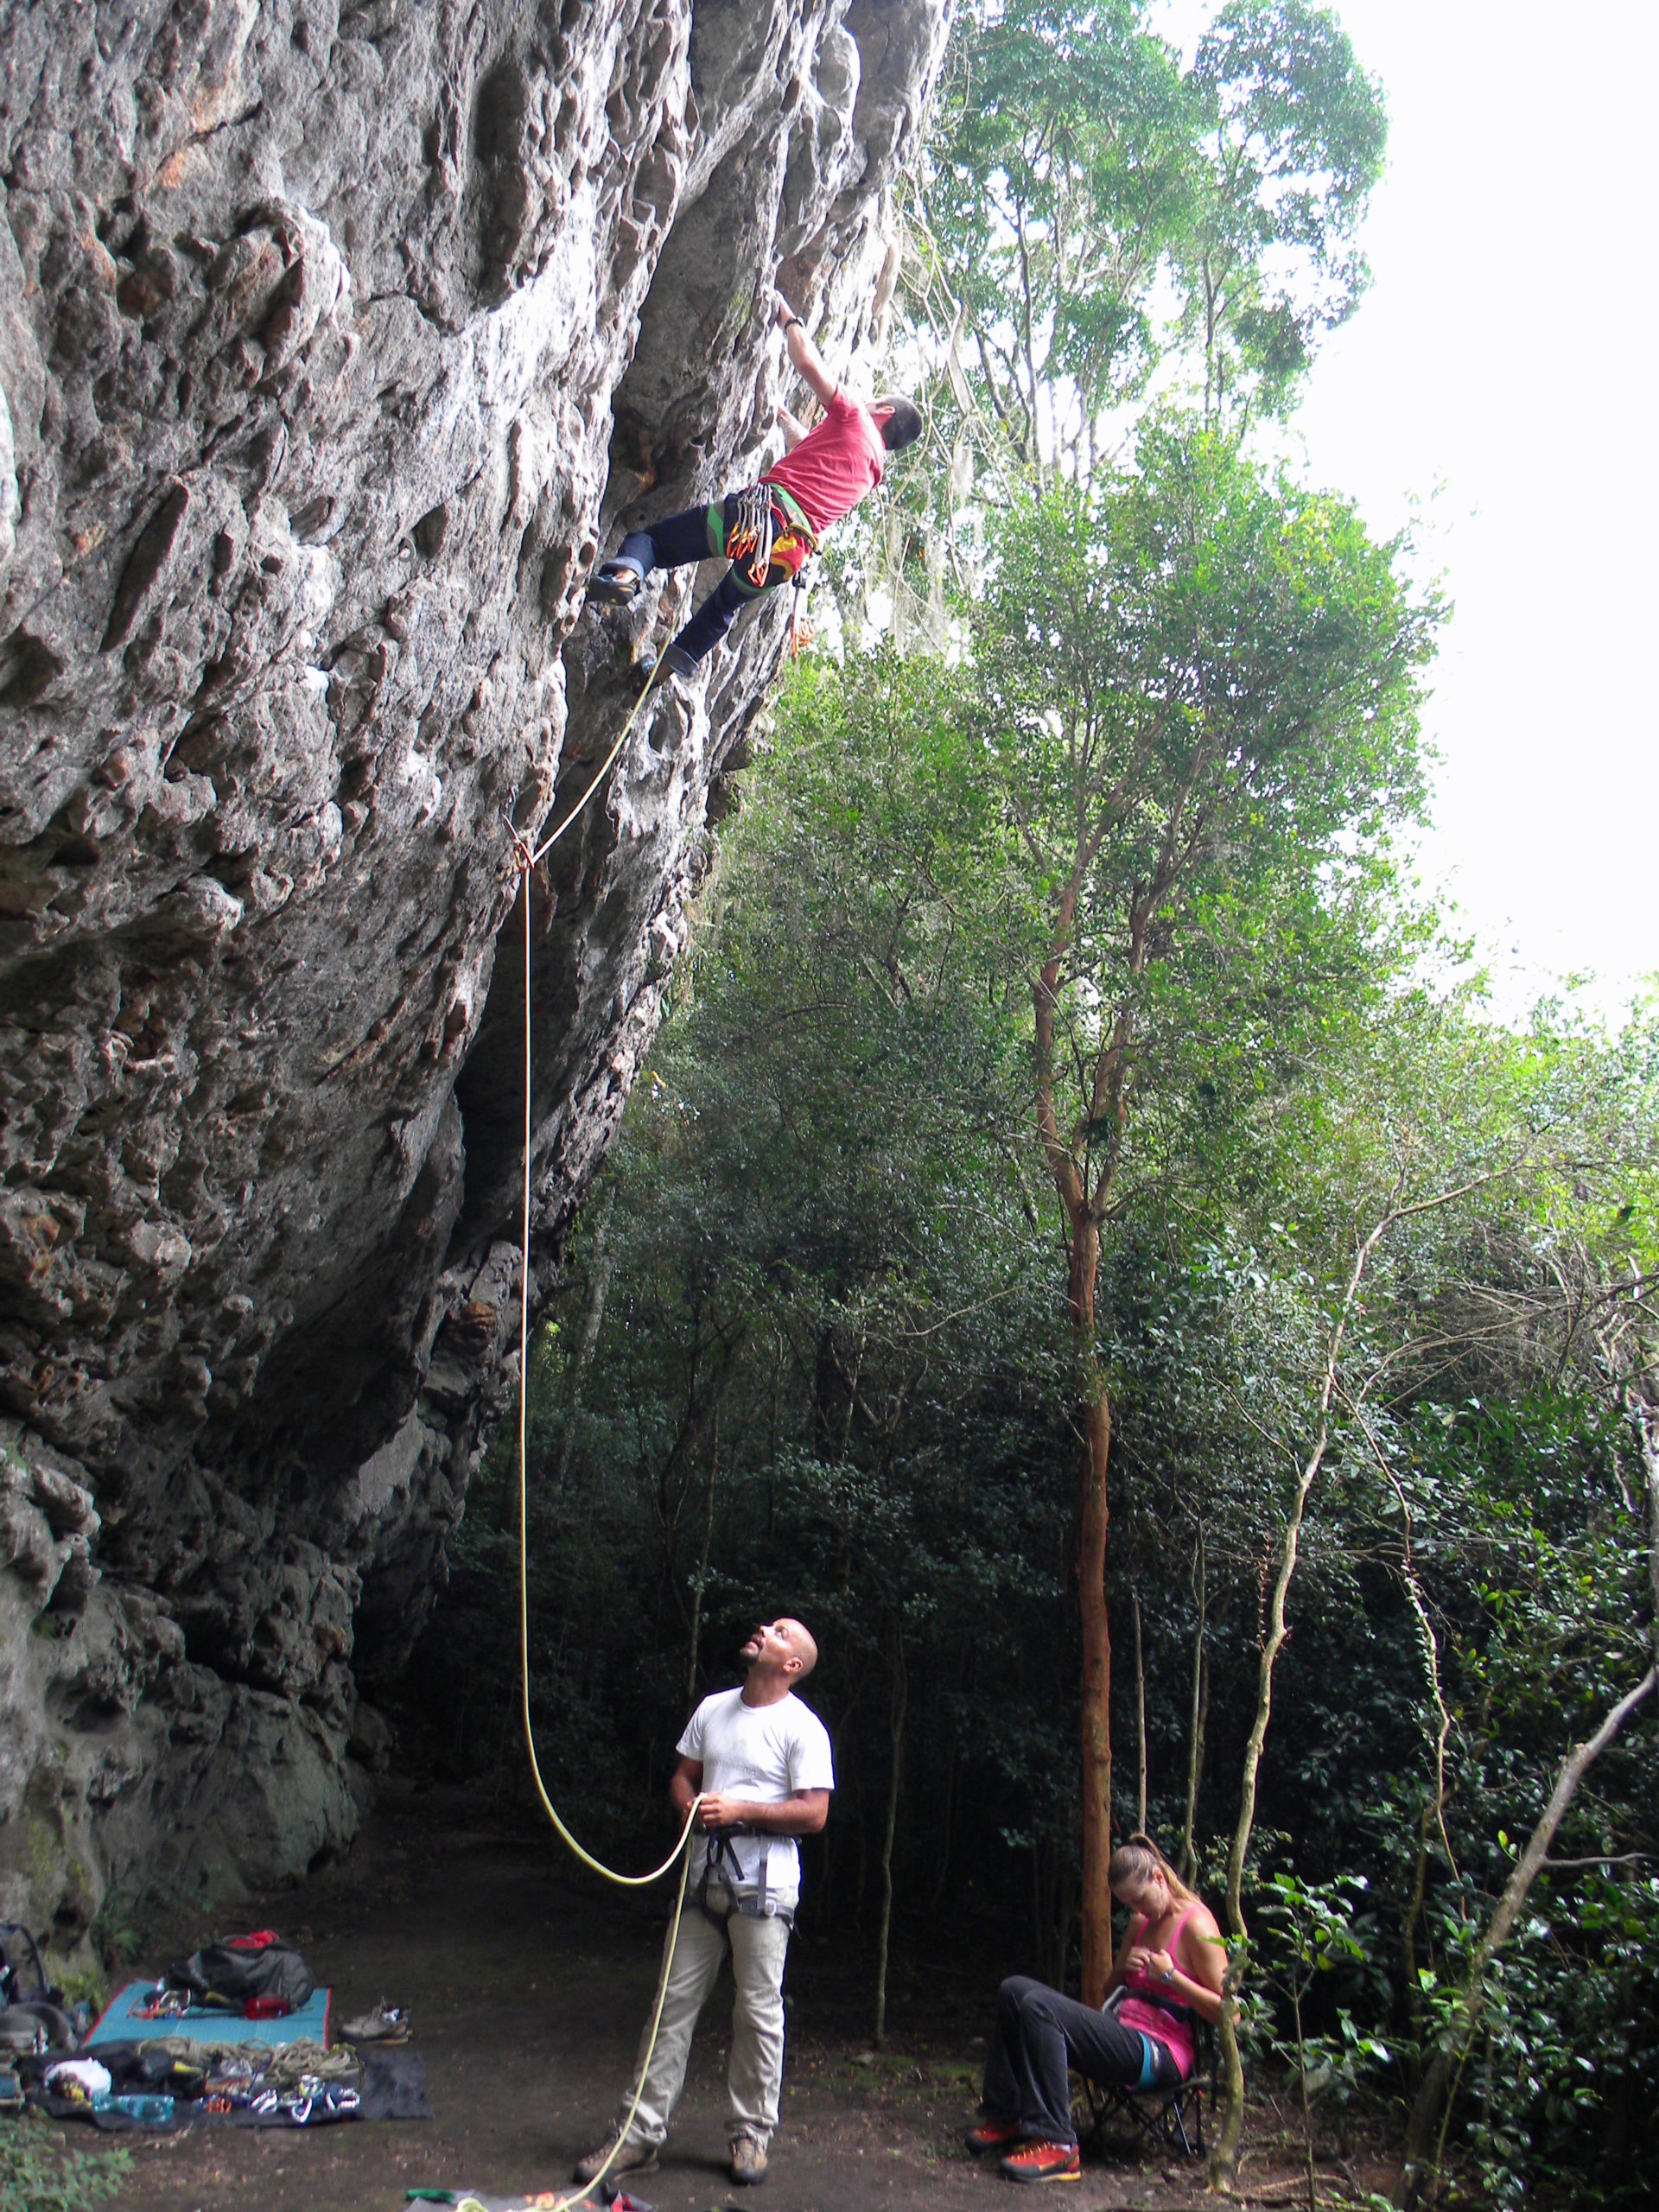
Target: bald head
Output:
[(779, 1654)]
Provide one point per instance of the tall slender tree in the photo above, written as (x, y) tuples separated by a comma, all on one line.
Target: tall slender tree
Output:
[(1196, 700)]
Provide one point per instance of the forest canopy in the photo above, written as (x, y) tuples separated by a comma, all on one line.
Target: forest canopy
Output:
[(1085, 1245)]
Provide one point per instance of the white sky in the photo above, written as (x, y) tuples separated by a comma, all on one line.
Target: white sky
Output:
[(1501, 371)]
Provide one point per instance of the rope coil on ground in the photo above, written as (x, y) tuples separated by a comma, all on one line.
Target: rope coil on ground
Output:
[(527, 858)]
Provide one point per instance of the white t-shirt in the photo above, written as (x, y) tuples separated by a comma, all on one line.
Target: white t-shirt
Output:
[(765, 1753)]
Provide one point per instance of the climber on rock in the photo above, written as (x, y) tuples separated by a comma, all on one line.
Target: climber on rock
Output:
[(769, 531)]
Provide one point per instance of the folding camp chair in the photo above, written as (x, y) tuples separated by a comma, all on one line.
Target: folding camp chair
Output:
[(1170, 2119)]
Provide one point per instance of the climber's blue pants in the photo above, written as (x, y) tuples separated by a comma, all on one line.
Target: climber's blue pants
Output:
[(699, 534)]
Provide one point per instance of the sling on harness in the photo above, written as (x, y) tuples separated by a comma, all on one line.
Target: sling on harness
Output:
[(751, 1901), (765, 534)]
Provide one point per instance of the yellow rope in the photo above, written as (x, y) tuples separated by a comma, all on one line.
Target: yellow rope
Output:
[(527, 860), (553, 836)]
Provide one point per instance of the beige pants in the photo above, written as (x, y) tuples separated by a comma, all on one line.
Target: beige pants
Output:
[(755, 2075)]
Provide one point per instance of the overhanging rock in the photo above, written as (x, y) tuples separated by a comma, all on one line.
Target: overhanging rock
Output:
[(332, 340)]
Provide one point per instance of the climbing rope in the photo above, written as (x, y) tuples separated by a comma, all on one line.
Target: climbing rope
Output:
[(527, 859)]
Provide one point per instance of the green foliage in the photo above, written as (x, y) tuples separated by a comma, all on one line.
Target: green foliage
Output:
[(1297, 134), (813, 1350), (36, 2176), (1093, 214), (1316, 1929)]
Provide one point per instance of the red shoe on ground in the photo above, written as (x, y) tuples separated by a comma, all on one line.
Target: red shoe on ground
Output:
[(1044, 2162), (992, 2135)]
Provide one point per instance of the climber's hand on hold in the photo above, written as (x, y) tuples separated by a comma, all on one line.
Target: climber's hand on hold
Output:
[(804, 357)]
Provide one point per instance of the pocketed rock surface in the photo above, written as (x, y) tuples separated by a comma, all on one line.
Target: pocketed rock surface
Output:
[(336, 341)]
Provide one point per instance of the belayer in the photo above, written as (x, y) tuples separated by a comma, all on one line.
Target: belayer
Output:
[(760, 1761), (769, 531)]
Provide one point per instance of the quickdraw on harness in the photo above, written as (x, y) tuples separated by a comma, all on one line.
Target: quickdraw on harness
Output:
[(749, 534), (765, 554)]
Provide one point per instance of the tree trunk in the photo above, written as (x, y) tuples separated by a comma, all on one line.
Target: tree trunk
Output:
[(1083, 1214), (1223, 2161), (1454, 2046), (694, 1636), (1200, 1703), (593, 1321), (1093, 1519), (898, 1699), (1139, 1711)]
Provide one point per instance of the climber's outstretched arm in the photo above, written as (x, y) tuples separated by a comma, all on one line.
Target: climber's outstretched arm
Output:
[(804, 354)]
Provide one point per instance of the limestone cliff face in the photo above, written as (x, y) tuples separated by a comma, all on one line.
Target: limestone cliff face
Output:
[(335, 341)]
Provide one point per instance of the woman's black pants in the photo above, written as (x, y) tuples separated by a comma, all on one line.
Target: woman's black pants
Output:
[(1040, 2035)]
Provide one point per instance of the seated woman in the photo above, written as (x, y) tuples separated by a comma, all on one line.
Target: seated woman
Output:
[(1169, 1968)]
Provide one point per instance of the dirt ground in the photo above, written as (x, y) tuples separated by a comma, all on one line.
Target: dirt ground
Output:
[(527, 1982)]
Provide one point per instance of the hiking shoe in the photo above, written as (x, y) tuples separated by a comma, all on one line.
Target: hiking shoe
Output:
[(385, 2024), (635, 2157), (615, 583), (992, 2135), (748, 2159), (1042, 2162)]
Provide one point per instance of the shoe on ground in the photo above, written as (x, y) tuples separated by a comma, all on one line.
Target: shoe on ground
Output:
[(992, 2135), (748, 2159), (385, 2024), (635, 2157), (1042, 2162), (615, 583)]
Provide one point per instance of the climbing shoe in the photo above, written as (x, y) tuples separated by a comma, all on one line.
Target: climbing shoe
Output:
[(992, 2135), (748, 2159), (678, 662), (632, 2159), (1042, 2162), (385, 2024), (615, 583)]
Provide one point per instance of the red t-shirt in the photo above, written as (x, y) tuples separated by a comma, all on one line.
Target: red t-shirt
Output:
[(835, 465)]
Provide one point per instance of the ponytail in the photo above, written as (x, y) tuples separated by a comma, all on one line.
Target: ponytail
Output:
[(1139, 1859)]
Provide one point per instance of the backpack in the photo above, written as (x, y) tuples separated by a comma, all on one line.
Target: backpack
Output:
[(228, 1974), (22, 1975)]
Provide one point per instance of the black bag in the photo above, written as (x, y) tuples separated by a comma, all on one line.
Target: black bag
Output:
[(23, 1974), (230, 1973)]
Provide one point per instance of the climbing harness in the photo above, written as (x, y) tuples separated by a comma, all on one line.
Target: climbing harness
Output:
[(722, 1870), (528, 858), (765, 535), (792, 549)]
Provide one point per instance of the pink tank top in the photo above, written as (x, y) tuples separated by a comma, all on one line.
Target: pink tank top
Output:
[(1151, 2019)]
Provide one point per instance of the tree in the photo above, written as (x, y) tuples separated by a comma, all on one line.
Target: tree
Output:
[(1294, 135), (1093, 214), (1197, 694)]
